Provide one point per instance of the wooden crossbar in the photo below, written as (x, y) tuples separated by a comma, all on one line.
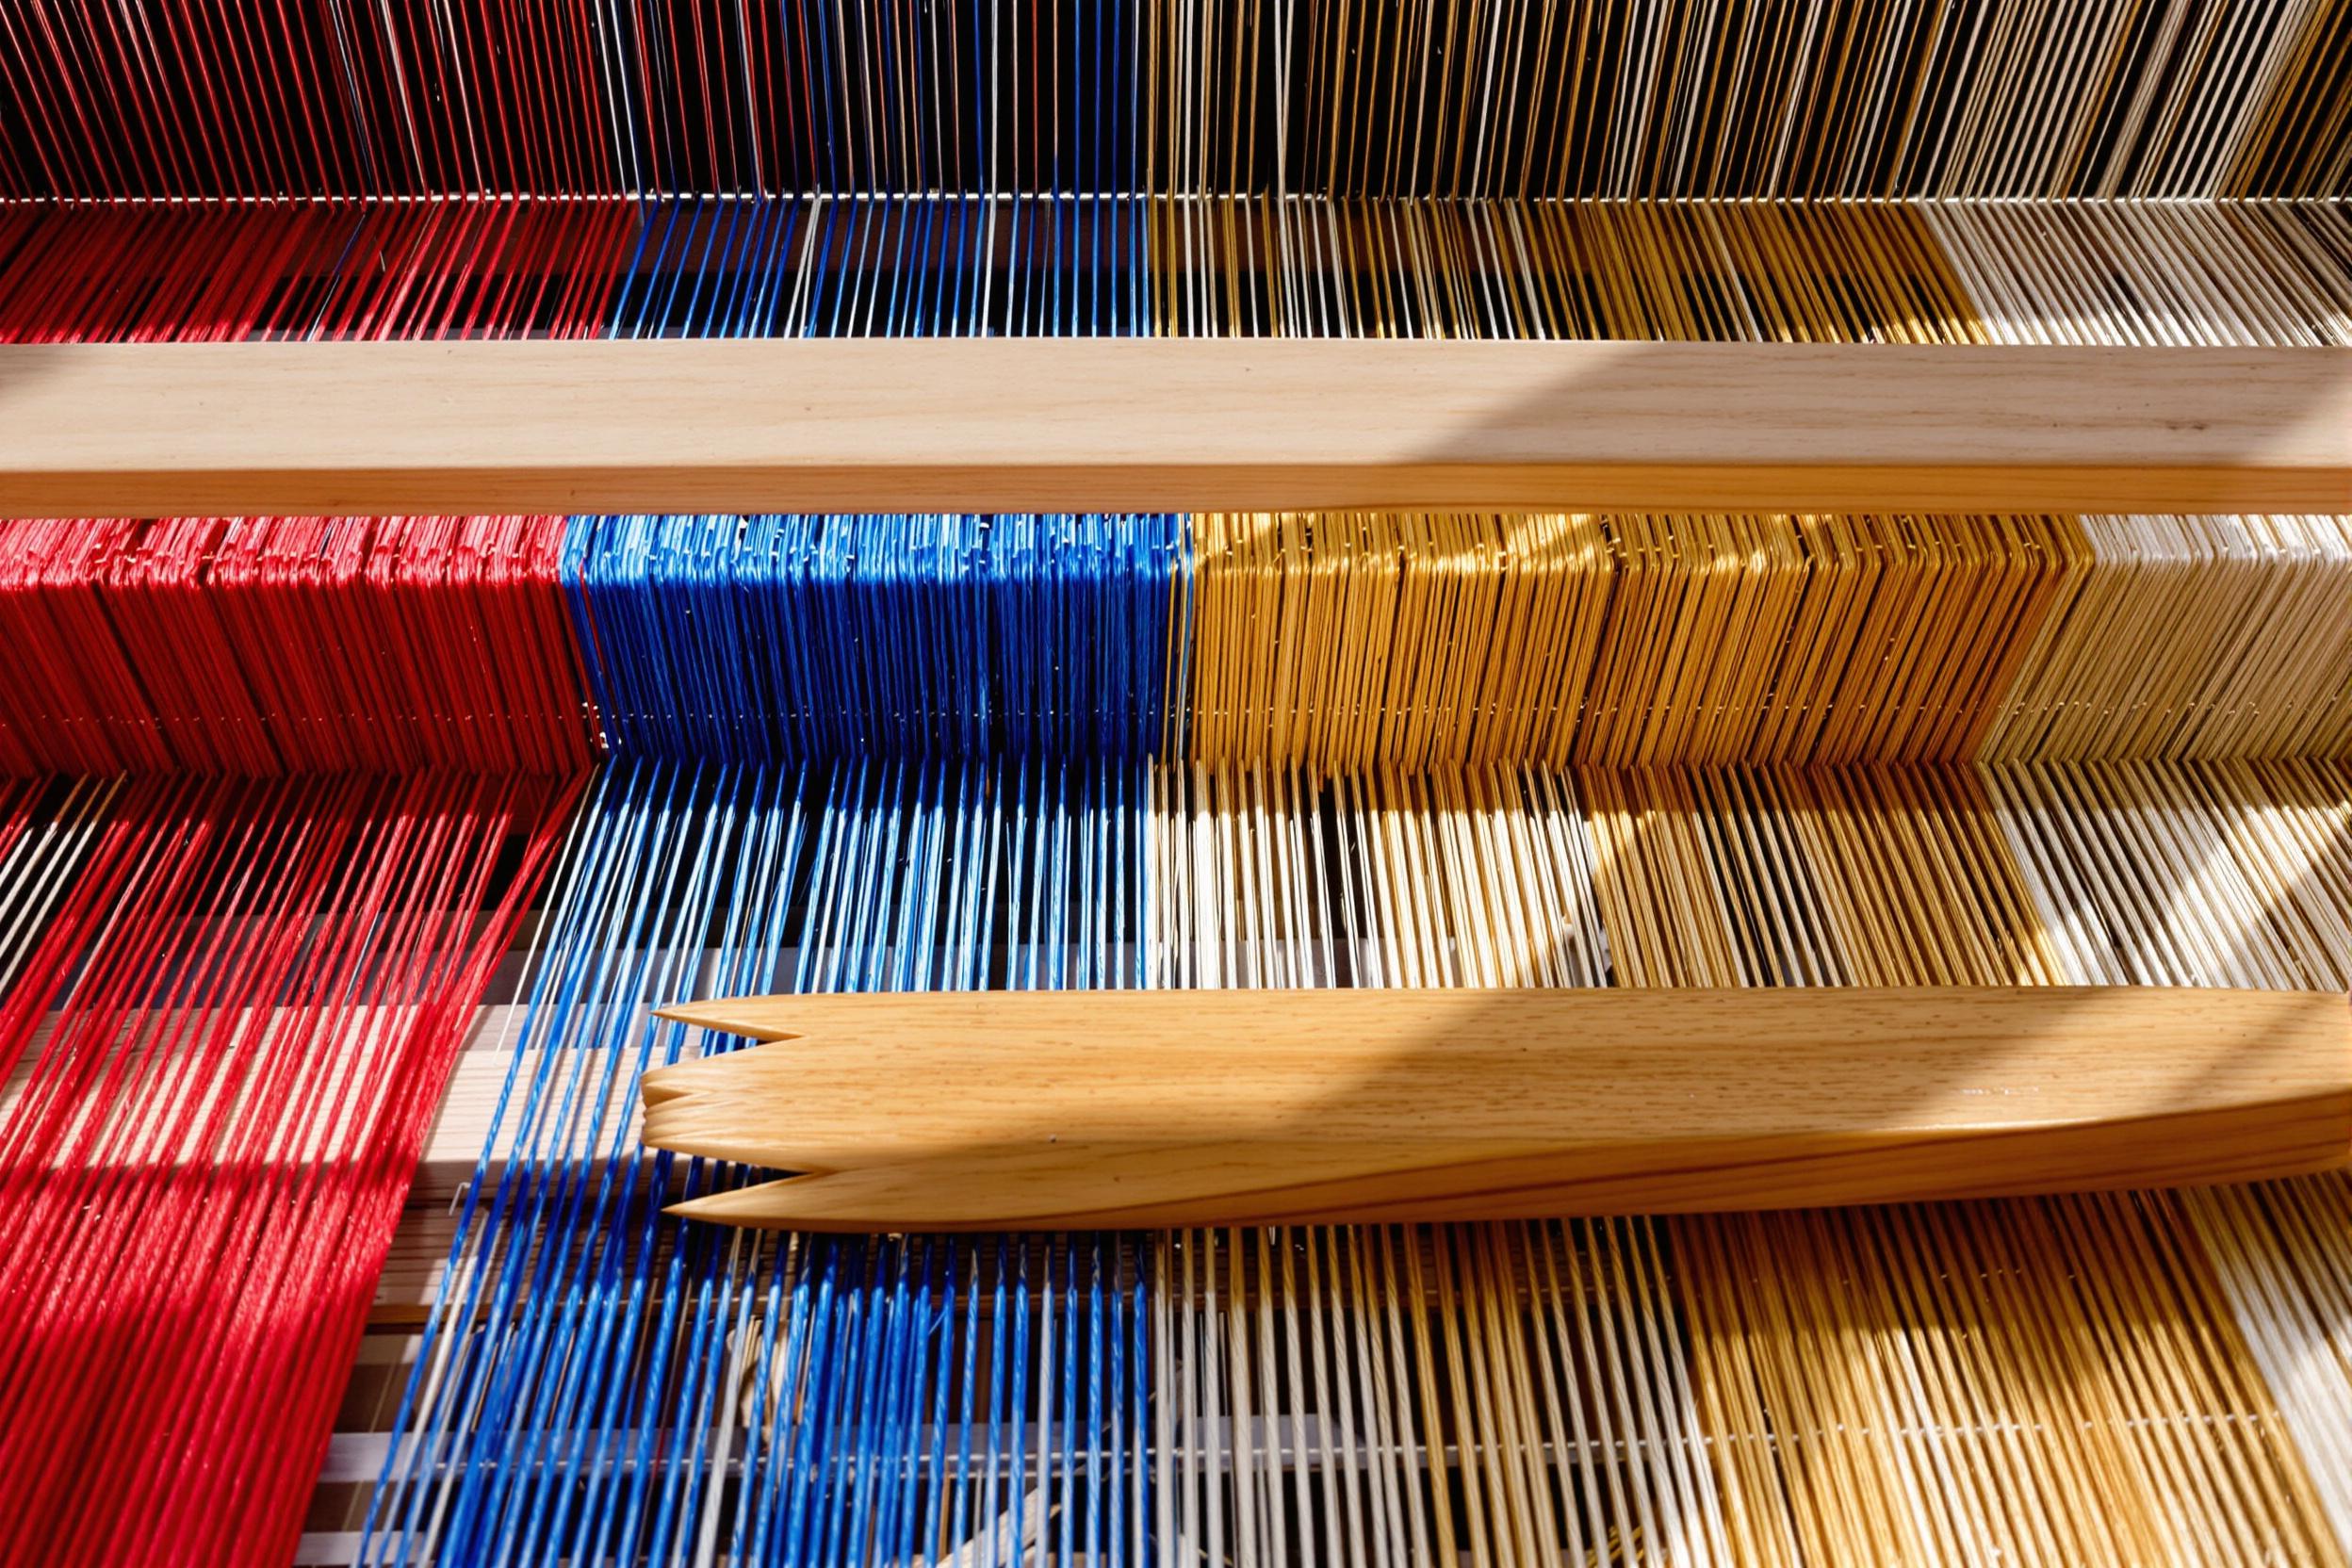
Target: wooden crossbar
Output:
[(1165, 425), (1075, 1110)]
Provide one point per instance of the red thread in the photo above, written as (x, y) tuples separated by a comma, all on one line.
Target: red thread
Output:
[(260, 989)]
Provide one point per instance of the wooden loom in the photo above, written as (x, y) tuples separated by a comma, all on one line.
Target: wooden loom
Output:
[(2023, 760)]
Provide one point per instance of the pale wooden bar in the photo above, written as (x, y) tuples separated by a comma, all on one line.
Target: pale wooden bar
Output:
[(461, 1125), (1075, 1110), (1141, 424)]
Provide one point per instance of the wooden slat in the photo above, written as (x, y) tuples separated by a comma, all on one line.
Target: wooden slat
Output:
[(1053, 1110), (998, 425), (468, 1101)]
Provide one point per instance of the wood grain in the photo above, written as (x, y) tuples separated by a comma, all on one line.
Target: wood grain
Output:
[(1053, 1110), (998, 425)]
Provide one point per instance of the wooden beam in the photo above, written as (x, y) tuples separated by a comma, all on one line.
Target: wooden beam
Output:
[(461, 1122), (2203, 1035), (1140, 424), (1058, 1110)]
